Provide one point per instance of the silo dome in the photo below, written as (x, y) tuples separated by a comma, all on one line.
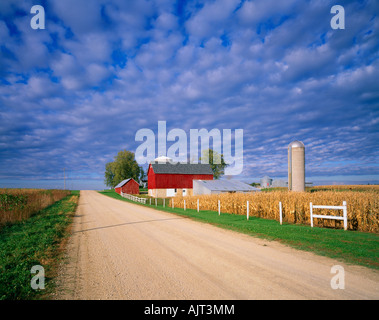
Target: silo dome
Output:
[(296, 144), (162, 159)]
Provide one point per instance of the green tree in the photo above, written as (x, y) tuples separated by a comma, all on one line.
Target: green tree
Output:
[(123, 167), (109, 174), (216, 162), (255, 184)]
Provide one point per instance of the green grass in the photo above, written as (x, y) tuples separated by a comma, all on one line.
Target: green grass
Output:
[(35, 241), (348, 246), (75, 192)]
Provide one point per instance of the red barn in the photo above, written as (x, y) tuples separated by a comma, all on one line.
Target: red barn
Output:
[(168, 179), (129, 186)]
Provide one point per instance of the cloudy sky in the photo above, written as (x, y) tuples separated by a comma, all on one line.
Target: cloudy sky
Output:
[(75, 93)]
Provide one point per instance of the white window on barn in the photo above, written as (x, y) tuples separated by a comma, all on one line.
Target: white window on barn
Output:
[(170, 192)]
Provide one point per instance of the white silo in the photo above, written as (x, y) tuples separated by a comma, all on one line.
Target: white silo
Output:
[(296, 166), (266, 182)]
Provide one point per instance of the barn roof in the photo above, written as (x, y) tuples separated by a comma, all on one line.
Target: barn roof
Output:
[(123, 182), (226, 185), (181, 168)]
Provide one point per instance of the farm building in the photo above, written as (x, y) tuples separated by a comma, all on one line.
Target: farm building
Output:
[(279, 183), (220, 186), (166, 179), (266, 182), (129, 186)]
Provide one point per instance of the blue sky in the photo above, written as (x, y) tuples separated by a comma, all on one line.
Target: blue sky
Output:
[(74, 94)]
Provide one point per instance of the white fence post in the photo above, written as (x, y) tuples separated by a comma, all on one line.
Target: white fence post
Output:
[(219, 205), (311, 213), (184, 205), (247, 210), (197, 205), (344, 215), (164, 202), (280, 212)]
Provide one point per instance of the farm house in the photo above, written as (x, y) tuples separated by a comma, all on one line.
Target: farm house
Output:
[(221, 186), (129, 186), (166, 179)]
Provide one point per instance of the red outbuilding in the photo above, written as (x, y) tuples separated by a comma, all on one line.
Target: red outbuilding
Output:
[(129, 186), (170, 179)]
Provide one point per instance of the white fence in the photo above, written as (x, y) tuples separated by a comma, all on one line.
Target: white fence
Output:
[(133, 198), (343, 208), (312, 216)]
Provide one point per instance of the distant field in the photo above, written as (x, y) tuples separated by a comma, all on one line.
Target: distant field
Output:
[(356, 188), (339, 188), (20, 204)]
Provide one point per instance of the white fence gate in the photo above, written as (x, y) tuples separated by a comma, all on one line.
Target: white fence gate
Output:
[(343, 207)]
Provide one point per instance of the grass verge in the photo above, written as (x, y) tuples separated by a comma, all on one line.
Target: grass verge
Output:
[(35, 241), (352, 247)]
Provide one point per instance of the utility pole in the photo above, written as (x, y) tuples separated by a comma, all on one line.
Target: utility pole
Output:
[(64, 178)]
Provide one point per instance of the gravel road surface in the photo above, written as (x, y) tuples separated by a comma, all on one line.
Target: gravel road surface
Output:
[(121, 250)]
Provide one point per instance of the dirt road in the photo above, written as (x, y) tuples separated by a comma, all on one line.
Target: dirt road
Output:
[(125, 251)]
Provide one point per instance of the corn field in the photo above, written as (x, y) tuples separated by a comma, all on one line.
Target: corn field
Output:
[(362, 207), (20, 204)]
